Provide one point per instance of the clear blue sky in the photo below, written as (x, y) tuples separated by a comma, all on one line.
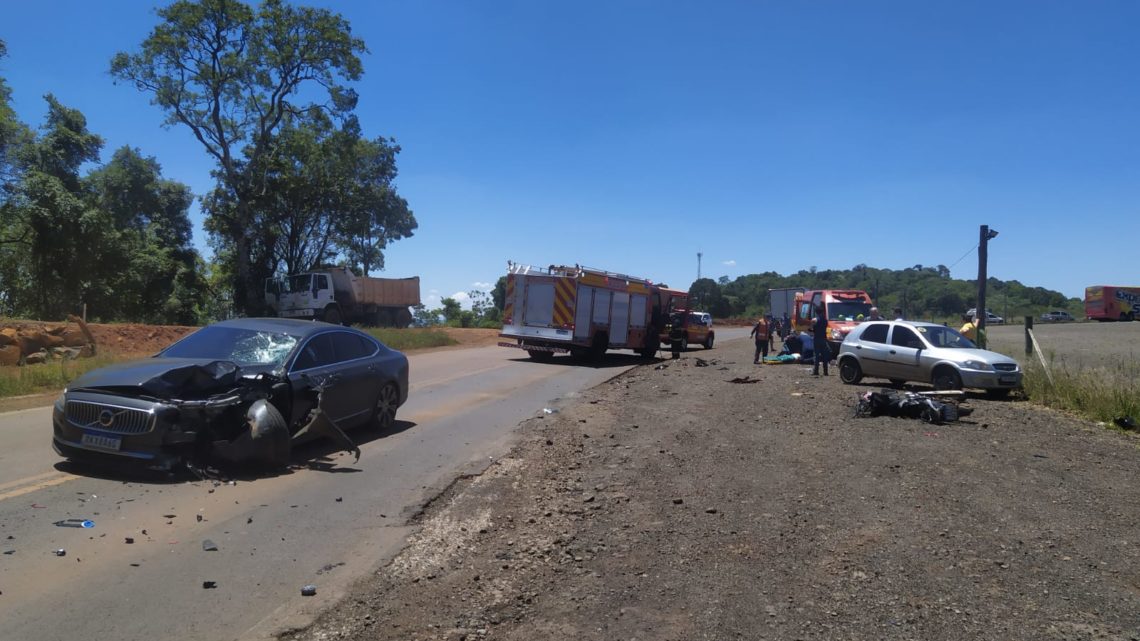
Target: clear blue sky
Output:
[(770, 136)]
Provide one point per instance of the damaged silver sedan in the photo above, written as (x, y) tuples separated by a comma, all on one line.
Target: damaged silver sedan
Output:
[(240, 391)]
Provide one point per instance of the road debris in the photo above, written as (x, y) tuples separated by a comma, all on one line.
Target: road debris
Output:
[(309, 590), (209, 546), (743, 379), (60, 552), (82, 523), (209, 585)]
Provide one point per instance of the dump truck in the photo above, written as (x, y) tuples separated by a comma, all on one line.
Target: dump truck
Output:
[(337, 295), (582, 311)]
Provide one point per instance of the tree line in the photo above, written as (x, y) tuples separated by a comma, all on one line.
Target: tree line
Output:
[(265, 92), (920, 291)]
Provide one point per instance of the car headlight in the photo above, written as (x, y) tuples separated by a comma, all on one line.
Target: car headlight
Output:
[(979, 365), (837, 334), (60, 401)]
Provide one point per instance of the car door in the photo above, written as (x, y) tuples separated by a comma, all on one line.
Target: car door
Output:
[(904, 354), (319, 363), (871, 349), (358, 374)]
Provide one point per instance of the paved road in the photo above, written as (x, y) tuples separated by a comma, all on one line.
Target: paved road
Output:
[(327, 522)]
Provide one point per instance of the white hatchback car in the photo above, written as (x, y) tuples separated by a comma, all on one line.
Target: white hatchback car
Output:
[(925, 352)]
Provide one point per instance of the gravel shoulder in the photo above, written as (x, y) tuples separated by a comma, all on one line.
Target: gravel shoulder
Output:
[(671, 503)]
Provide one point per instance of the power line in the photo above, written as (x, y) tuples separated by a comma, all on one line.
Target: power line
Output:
[(968, 251)]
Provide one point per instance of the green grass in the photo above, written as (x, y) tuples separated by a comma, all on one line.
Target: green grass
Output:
[(46, 377), (1102, 393), (406, 338), (1101, 390)]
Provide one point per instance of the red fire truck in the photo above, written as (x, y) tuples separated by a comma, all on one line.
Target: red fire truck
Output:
[(845, 308), (1112, 303), (581, 311)]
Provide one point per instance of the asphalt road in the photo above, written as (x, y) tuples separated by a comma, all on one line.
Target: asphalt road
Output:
[(141, 571)]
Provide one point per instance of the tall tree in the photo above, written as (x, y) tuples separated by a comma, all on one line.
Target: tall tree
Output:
[(60, 233), (232, 74), (152, 272)]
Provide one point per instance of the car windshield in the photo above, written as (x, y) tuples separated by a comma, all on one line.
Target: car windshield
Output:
[(945, 337), (848, 311), (297, 283), (240, 345)]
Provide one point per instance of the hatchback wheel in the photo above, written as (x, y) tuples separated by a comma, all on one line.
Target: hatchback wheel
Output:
[(386, 404), (850, 372), (947, 379)]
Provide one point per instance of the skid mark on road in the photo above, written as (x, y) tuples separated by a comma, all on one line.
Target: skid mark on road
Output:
[(34, 484)]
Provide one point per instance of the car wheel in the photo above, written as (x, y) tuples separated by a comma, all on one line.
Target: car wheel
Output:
[(709, 341), (540, 355), (685, 344), (850, 372), (387, 402), (946, 379)]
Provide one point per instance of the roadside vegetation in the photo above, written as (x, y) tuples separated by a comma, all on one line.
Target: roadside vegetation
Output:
[(47, 377), (1102, 394), (405, 339), (1103, 389)]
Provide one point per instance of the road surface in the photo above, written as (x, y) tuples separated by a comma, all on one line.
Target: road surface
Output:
[(141, 572)]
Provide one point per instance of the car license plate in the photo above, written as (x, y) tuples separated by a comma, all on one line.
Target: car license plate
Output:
[(102, 442), (1007, 380)]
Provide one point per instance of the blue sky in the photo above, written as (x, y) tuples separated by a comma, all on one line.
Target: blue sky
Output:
[(769, 136)]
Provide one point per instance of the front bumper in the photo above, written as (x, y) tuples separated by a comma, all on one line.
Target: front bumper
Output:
[(154, 445), (990, 380)]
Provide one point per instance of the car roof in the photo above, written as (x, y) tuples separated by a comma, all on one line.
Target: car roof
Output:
[(292, 326)]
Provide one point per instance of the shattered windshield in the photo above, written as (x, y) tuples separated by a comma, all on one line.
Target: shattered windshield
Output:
[(240, 345), (945, 337)]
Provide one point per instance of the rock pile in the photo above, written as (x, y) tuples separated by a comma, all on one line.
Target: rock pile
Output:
[(27, 343)]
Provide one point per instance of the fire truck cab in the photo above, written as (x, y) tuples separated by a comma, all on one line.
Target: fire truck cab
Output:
[(844, 308)]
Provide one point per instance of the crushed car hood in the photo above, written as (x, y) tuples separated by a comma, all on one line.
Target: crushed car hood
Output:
[(165, 377)]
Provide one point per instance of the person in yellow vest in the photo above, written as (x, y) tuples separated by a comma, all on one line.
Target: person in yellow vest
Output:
[(760, 333)]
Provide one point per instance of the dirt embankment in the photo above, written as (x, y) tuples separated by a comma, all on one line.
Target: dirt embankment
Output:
[(672, 503)]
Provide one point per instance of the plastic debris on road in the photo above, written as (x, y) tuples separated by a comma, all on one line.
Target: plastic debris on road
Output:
[(84, 523)]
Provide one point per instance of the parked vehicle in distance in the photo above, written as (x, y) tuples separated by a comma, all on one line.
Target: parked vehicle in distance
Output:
[(695, 329), (1112, 303), (1057, 316), (336, 295), (905, 351), (991, 318), (239, 391)]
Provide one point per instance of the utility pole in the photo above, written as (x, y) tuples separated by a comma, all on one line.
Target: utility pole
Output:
[(984, 236), (698, 265)]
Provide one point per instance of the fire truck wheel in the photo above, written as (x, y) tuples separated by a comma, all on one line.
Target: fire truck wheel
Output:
[(598, 346), (539, 355)]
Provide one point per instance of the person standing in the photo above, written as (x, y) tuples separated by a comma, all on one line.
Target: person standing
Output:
[(875, 315), (761, 334), (819, 342), (771, 331), (898, 314)]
